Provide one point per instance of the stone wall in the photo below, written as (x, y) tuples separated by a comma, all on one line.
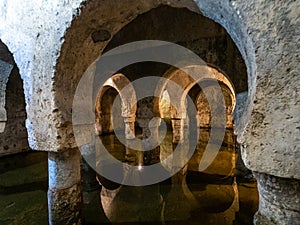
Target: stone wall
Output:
[(270, 26), (51, 70), (52, 46), (204, 37), (33, 32)]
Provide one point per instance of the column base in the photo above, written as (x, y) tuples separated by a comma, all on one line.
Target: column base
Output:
[(65, 206), (279, 200)]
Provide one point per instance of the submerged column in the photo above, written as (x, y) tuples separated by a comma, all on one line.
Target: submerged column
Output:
[(93, 211), (132, 156), (150, 138), (64, 193), (179, 141)]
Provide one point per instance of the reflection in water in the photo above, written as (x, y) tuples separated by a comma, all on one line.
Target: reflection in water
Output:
[(189, 197)]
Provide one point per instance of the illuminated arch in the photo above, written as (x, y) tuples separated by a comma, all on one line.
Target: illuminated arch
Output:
[(183, 80), (127, 97)]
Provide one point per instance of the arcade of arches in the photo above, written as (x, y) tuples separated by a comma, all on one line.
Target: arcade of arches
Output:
[(250, 48)]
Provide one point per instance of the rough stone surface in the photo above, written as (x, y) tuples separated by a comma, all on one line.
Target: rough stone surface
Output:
[(52, 45), (65, 191), (272, 53), (279, 200), (241, 100), (271, 139), (37, 60), (261, 220), (64, 169), (65, 205), (32, 33)]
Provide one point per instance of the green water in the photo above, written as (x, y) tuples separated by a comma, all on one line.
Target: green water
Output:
[(211, 197)]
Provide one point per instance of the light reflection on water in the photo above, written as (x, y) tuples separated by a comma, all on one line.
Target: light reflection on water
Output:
[(188, 197)]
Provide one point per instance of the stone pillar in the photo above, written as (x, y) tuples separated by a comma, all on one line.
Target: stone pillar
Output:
[(129, 127), (166, 150), (179, 140), (203, 120), (104, 123), (64, 193), (229, 120), (279, 200), (177, 128), (150, 138), (133, 157)]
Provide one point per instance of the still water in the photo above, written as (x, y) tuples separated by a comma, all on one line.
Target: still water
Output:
[(216, 196)]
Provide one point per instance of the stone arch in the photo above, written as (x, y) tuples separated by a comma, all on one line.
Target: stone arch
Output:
[(127, 98), (221, 78), (186, 82), (13, 133), (85, 49), (84, 41), (228, 92), (203, 107), (57, 134)]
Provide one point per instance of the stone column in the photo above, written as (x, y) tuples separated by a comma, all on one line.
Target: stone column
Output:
[(150, 138), (133, 157), (279, 200), (64, 193), (177, 128), (229, 121), (129, 127), (203, 120), (179, 140)]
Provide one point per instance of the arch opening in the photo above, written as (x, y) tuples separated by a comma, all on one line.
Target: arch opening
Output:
[(13, 133), (115, 109), (210, 47)]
